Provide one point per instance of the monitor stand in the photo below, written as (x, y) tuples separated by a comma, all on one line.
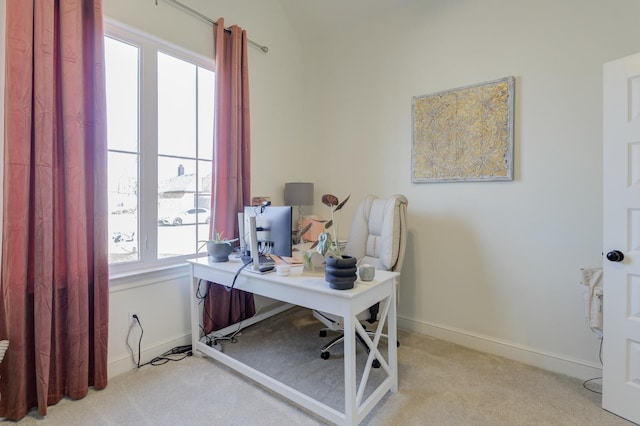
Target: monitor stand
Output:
[(256, 267)]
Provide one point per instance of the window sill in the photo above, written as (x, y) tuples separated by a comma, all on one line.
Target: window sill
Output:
[(126, 280)]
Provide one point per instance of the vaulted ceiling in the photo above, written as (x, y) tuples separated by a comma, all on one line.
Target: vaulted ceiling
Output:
[(314, 19)]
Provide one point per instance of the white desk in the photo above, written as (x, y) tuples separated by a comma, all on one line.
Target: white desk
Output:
[(314, 293)]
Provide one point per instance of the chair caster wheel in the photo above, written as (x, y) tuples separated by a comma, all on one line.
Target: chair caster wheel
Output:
[(323, 333), (375, 363), (325, 355)]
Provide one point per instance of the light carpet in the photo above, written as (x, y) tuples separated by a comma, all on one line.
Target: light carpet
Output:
[(440, 383)]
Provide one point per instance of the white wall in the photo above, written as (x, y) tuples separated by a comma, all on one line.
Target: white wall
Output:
[(492, 265)]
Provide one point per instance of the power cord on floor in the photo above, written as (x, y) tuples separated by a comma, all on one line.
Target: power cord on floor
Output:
[(588, 381), (177, 353)]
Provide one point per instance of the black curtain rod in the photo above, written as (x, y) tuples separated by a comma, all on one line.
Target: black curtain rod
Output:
[(197, 14)]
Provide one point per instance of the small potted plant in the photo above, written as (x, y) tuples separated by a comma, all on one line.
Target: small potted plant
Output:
[(340, 270), (219, 248)]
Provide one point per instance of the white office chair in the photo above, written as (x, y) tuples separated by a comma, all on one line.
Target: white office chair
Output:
[(4, 345), (378, 237)]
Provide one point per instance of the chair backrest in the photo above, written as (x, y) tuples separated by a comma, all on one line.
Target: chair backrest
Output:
[(378, 234)]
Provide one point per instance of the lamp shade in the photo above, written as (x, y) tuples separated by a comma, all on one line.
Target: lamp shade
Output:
[(298, 194)]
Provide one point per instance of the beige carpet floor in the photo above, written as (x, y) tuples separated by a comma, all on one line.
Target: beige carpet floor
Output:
[(439, 384)]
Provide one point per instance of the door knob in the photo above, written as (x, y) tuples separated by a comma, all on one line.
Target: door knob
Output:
[(615, 256)]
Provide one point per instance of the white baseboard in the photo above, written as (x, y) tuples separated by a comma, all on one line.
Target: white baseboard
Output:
[(125, 364), (527, 355)]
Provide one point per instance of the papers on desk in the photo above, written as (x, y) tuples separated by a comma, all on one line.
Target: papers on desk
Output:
[(286, 260)]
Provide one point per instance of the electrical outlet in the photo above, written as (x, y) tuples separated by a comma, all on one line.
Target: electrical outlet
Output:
[(131, 318)]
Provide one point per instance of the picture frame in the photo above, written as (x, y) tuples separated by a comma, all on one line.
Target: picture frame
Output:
[(464, 134)]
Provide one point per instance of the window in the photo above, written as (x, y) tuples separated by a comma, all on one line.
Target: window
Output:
[(160, 142)]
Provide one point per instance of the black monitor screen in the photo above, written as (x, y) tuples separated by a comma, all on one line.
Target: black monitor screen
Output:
[(273, 225)]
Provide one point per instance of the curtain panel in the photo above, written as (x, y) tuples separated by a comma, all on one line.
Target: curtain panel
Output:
[(231, 165), (54, 277)]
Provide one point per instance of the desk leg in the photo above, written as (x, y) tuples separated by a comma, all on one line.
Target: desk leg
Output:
[(392, 339), (195, 317), (350, 406)]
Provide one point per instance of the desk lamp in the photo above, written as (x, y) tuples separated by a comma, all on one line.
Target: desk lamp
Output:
[(298, 194)]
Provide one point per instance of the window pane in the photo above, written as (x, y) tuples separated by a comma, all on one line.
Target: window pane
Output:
[(206, 89), (122, 89), (183, 217), (123, 207), (185, 119), (121, 77), (176, 107)]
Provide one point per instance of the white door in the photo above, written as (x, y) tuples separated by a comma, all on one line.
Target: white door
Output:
[(621, 171)]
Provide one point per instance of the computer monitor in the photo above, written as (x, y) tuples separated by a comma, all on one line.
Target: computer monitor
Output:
[(274, 226)]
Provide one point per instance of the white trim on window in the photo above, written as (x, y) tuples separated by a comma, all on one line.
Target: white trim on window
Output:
[(148, 151)]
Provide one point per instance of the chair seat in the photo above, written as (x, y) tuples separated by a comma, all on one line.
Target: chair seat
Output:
[(378, 236)]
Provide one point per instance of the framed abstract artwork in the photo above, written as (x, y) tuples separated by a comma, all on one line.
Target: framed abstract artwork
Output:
[(464, 134)]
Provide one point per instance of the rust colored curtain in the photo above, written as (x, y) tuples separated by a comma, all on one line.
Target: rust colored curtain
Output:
[(54, 277), (231, 165)]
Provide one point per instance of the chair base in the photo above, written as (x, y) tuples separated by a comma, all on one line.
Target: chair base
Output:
[(324, 351)]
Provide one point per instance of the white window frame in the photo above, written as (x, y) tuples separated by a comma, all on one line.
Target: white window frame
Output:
[(148, 149)]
